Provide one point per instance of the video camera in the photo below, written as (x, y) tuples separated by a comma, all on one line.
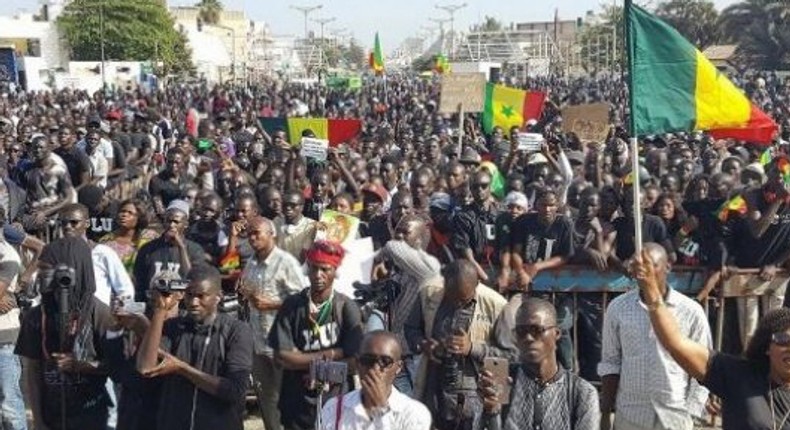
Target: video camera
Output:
[(169, 286), (378, 294), (328, 372)]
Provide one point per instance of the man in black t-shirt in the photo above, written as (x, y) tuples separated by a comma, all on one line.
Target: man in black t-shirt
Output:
[(316, 324), (170, 182), (653, 230), (474, 226), (77, 162)]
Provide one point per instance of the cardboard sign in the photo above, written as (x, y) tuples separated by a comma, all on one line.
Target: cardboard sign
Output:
[(529, 142), (467, 89), (589, 122), (315, 148)]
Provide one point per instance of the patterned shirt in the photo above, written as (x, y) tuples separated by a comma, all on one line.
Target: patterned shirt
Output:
[(277, 277), (565, 402), (653, 390)]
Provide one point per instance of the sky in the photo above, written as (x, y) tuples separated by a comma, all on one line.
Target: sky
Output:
[(394, 20)]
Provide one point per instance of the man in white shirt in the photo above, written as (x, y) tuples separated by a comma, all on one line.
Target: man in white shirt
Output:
[(378, 405), (100, 168)]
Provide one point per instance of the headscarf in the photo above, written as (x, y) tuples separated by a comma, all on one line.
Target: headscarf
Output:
[(326, 252), (75, 253)]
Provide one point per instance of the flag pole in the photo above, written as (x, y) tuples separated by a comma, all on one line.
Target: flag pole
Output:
[(631, 48)]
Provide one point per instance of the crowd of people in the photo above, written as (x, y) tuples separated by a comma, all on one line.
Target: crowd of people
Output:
[(164, 257)]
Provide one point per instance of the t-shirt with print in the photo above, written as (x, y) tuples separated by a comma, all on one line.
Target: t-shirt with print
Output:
[(158, 255), (537, 242), (337, 327)]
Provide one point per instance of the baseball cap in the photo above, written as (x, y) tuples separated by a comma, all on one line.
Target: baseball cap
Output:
[(517, 198), (179, 205)]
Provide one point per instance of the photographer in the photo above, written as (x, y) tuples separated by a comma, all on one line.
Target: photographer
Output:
[(316, 324), (378, 403), (60, 342), (204, 358), (405, 262)]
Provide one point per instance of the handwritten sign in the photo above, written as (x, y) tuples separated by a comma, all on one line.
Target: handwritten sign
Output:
[(529, 142), (589, 122), (315, 148), (467, 89)]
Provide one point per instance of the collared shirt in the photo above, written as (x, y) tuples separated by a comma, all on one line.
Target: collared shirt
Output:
[(295, 238), (111, 275), (565, 402), (653, 388), (277, 277), (401, 413)]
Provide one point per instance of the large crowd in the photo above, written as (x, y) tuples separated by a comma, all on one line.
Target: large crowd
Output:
[(164, 257)]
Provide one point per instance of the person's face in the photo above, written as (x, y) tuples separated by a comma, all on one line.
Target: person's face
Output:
[(434, 150), (175, 224), (481, 189), (732, 168), (669, 184), (401, 207), (261, 237), (515, 185), (555, 181), (686, 171), (390, 173), (589, 206), (175, 163), (421, 189), (515, 211), (273, 203), (547, 209), (39, 150), (536, 336), (15, 152), (379, 357), (541, 173), (292, 208), (127, 216), (342, 205), (666, 209), (210, 210), (74, 224), (200, 300), (456, 177), (408, 232), (321, 186), (65, 137), (321, 276), (371, 205)]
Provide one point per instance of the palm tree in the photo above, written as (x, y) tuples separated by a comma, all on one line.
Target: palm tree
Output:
[(210, 11), (761, 30)]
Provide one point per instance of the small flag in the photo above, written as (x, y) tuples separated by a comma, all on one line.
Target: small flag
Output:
[(736, 204), (442, 66), (784, 168), (336, 131), (377, 57), (230, 261)]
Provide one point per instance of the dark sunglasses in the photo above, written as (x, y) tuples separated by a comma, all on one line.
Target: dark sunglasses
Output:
[(369, 360), (481, 185), (781, 339), (535, 331)]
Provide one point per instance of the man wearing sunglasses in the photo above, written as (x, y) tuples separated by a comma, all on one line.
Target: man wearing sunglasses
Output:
[(473, 237), (378, 404)]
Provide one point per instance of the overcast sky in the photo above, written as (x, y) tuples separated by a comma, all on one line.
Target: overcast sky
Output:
[(395, 20)]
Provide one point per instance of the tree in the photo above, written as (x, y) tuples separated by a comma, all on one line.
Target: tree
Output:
[(761, 30), (354, 55), (132, 30), (489, 24), (696, 20), (210, 11)]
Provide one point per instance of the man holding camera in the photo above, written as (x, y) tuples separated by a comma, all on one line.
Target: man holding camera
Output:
[(315, 325), (378, 404), (204, 358), (267, 280)]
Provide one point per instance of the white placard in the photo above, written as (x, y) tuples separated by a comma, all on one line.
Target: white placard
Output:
[(530, 142), (315, 148)]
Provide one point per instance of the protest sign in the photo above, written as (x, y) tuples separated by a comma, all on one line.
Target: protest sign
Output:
[(338, 227), (589, 122), (529, 142), (356, 266), (467, 89), (314, 148)]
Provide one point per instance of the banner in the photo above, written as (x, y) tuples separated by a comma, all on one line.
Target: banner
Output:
[(462, 88), (588, 122)]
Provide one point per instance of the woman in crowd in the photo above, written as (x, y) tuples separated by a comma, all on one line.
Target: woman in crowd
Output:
[(667, 208), (132, 232)]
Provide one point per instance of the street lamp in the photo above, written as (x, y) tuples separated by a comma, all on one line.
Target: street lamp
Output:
[(306, 10), (452, 9), (233, 48), (322, 22), (441, 22)]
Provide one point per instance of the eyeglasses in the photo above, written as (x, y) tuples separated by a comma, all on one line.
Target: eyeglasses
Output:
[(533, 330), (71, 222), (781, 338), (369, 360)]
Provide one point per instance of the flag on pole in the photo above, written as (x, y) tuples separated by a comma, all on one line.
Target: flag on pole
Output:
[(734, 205), (507, 107), (377, 57), (675, 88), (442, 66)]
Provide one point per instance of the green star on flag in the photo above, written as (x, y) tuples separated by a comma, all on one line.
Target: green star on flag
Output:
[(507, 111)]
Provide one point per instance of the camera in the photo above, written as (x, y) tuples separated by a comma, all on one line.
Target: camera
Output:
[(376, 295), (64, 276), (328, 372), (168, 286)]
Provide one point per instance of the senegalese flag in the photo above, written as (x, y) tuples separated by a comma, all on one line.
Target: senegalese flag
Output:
[(377, 57), (337, 131), (675, 88), (497, 180), (507, 107), (230, 262), (734, 205), (442, 66)]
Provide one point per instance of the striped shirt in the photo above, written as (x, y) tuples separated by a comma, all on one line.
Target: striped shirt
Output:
[(653, 390)]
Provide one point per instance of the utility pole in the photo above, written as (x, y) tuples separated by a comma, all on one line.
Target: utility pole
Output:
[(322, 22), (452, 9), (101, 37), (306, 10), (441, 22)]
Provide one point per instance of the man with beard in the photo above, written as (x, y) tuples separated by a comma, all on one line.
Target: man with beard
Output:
[(541, 241), (316, 324), (167, 185), (474, 225), (48, 186), (203, 359), (171, 251), (295, 232)]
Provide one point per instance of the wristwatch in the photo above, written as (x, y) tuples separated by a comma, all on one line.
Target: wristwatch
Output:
[(652, 307)]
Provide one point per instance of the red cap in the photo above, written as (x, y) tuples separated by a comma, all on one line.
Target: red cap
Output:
[(377, 190)]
